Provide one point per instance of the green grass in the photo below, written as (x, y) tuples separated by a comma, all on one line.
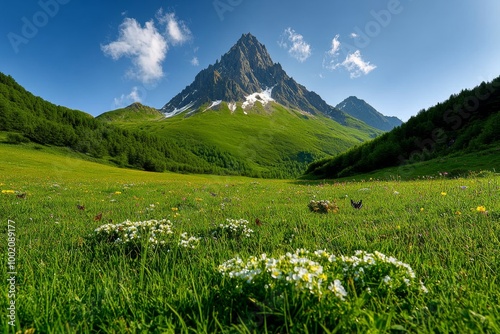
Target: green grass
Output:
[(132, 113), (264, 138), (453, 165), (67, 282)]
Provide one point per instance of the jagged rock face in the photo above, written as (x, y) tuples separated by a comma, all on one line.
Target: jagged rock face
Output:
[(363, 111), (248, 65), (247, 68)]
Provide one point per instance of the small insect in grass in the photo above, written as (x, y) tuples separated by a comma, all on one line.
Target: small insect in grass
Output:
[(98, 217), (80, 207), (23, 195), (357, 205), (258, 222)]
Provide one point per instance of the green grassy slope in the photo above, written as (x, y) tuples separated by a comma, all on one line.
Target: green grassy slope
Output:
[(465, 123), (266, 139), (30, 118), (454, 165), (134, 112)]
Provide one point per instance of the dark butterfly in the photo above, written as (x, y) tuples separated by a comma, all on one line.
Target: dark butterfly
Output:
[(80, 207), (98, 217), (23, 195), (258, 222), (357, 205)]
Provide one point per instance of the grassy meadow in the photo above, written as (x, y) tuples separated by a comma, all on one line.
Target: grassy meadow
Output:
[(271, 138), (69, 281)]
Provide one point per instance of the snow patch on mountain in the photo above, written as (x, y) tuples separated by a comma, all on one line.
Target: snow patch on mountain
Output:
[(232, 106), (263, 97), (177, 111), (213, 104)]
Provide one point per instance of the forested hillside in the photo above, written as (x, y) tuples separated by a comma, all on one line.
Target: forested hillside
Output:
[(30, 118), (466, 122)]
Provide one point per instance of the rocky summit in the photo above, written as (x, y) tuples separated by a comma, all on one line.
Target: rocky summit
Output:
[(246, 74)]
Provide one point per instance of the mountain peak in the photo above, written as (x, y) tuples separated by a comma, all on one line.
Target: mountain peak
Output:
[(361, 110), (248, 37), (248, 54), (245, 70), (135, 105), (249, 41), (139, 107)]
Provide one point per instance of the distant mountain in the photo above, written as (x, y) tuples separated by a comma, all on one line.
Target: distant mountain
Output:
[(465, 123), (245, 75), (363, 111)]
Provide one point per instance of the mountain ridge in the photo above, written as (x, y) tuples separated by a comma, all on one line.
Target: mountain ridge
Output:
[(363, 111)]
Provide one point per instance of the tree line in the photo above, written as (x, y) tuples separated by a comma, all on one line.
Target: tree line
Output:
[(466, 122)]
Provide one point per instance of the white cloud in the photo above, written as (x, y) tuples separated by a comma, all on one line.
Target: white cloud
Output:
[(125, 100), (334, 50), (353, 62), (356, 66), (195, 61), (299, 49), (176, 30), (330, 60), (353, 35), (146, 47)]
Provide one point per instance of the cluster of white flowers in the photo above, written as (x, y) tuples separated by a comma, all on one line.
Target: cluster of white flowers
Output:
[(151, 230), (294, 269), (189, 242), (322, 273), (368, 268), (234, 228)]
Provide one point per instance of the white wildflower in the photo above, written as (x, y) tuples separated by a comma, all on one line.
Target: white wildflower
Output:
[(337, 288)]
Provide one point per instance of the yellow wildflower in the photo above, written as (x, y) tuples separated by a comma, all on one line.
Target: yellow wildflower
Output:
[(118, 192), (175, 209), (443, 193), (481, 208), (8, 191)]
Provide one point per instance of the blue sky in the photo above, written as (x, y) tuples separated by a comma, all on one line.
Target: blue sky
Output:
[(400, 56)]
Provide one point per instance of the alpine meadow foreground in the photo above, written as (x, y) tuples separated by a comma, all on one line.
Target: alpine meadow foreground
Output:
[(191, 256)]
